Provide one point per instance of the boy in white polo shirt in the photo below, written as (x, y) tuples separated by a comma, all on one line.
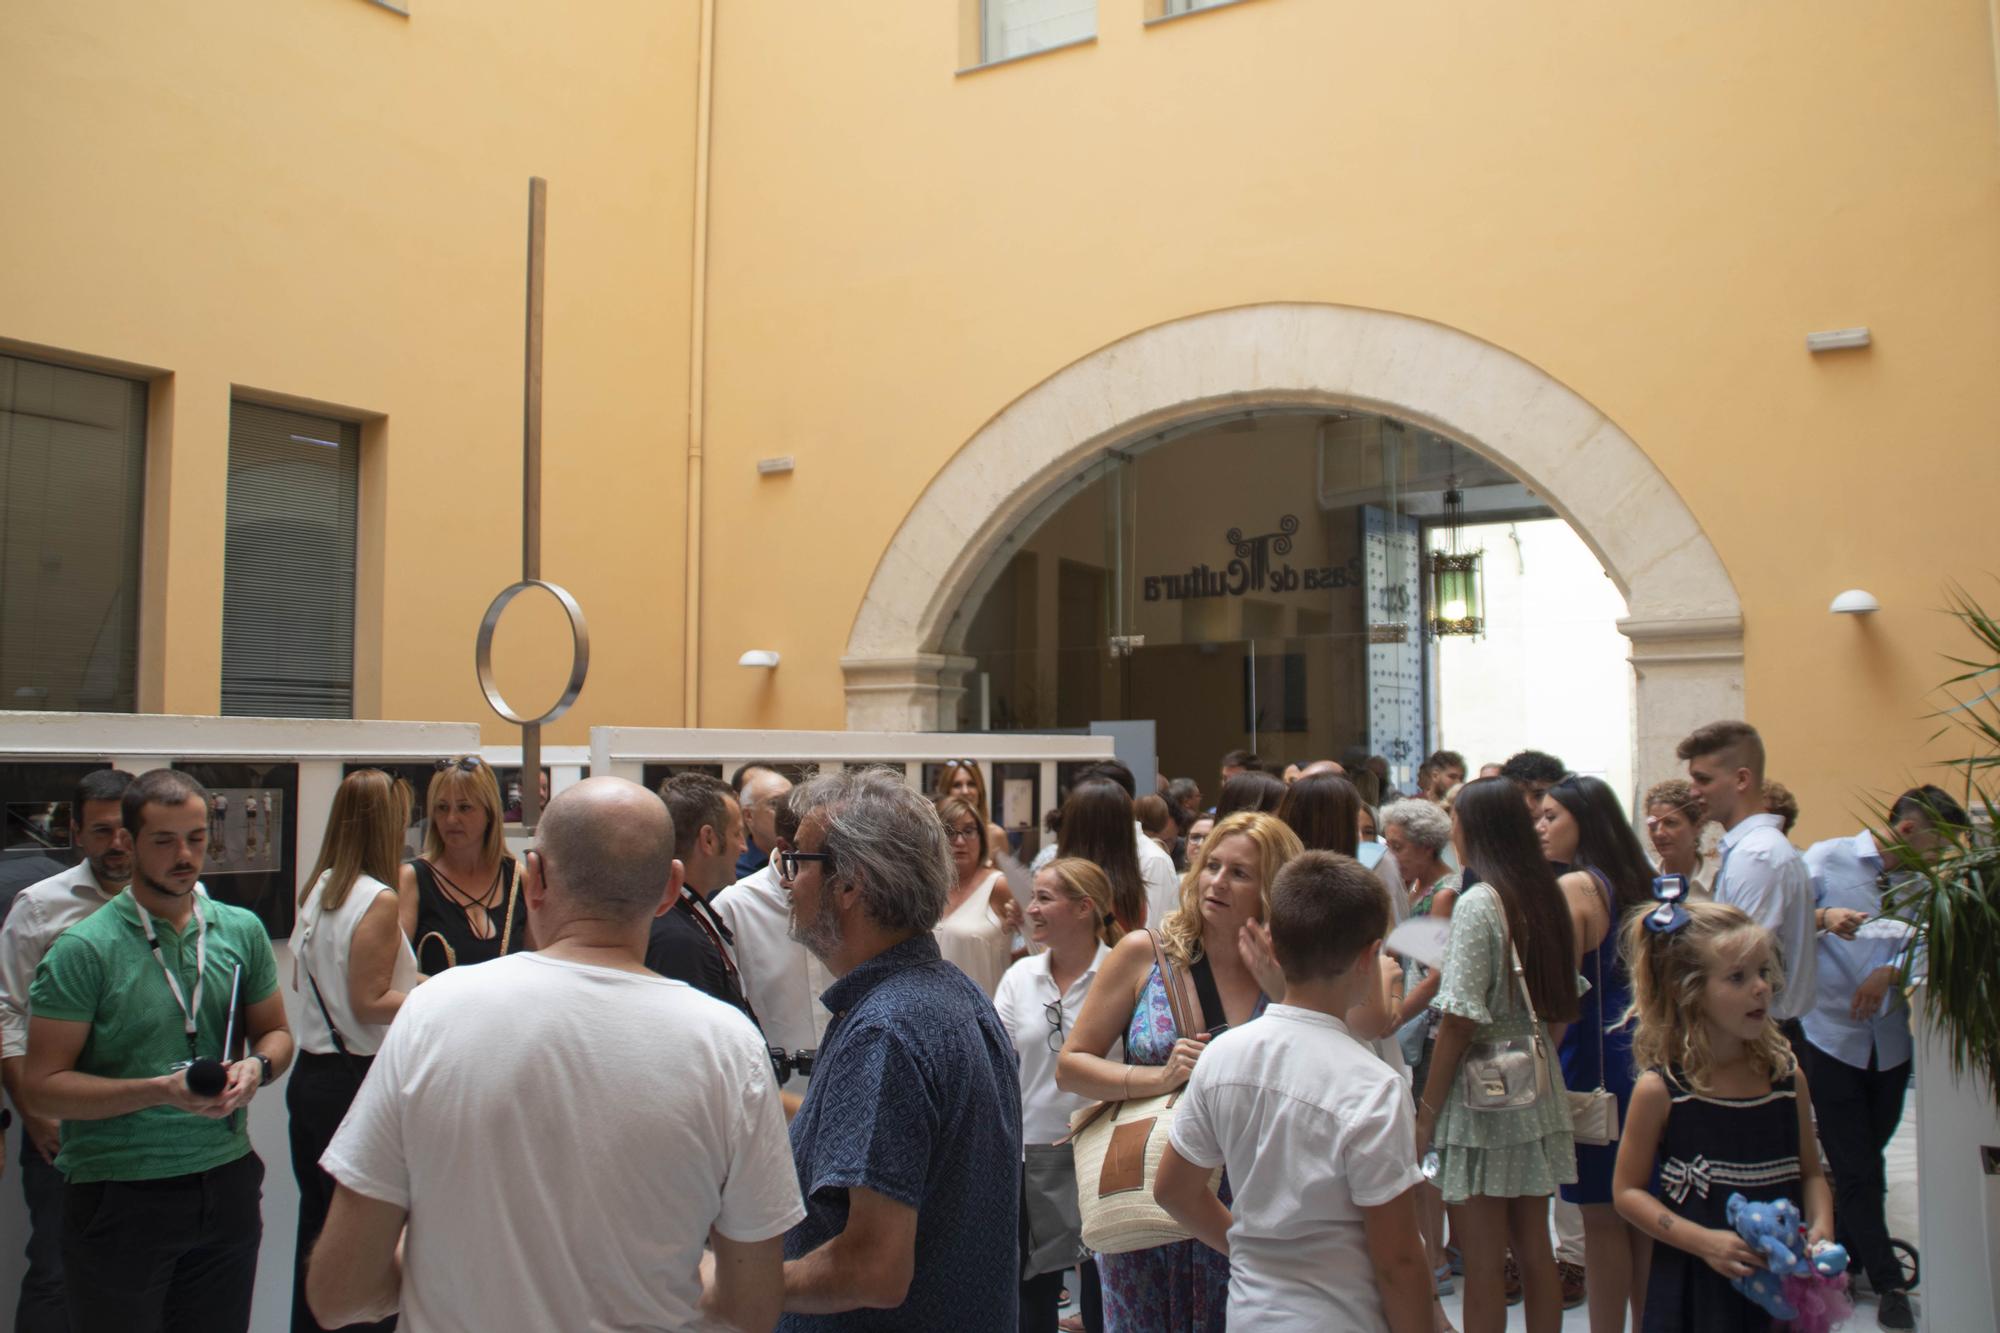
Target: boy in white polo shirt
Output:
[(1315, 1132)]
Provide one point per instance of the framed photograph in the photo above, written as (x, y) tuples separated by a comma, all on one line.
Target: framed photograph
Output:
[(252, 837)]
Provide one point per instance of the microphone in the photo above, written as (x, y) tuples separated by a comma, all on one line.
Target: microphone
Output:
[(208, 1077)]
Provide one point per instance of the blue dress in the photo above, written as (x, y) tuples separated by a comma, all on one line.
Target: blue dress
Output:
[(1183, 1285), (1600, 1009)]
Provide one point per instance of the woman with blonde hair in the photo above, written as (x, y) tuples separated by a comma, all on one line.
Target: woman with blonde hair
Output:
[(962, 778), (1070, 919), (976, 931), (460, 902), (351, 968), (1183, 1285)]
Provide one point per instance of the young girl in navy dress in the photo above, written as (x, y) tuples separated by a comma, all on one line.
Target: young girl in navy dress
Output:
[(1720, 1108)]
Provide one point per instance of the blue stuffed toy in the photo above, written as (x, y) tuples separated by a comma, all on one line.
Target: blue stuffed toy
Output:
[(1777, 1232)]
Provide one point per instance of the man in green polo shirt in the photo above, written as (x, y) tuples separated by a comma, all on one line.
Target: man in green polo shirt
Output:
[(161, 1210)]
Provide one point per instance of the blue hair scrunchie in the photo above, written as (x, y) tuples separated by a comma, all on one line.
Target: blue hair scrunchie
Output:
[(1669, 891)]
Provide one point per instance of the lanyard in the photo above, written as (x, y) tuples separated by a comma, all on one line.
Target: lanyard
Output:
[(189, 1014)]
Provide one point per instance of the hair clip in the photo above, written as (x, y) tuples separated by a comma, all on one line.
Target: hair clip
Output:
[(1669, 891)]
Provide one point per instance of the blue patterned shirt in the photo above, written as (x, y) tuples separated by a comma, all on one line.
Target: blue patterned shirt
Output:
[(914, 1095)]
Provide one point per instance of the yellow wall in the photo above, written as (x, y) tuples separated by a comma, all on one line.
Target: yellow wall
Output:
[(326, 201), (1652, 203)]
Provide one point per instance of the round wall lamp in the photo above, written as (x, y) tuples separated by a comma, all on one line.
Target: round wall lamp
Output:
[(1854, 602), (758, 657)]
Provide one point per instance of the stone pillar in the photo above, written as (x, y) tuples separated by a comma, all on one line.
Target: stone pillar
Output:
[(1689, 672), (918, 692)]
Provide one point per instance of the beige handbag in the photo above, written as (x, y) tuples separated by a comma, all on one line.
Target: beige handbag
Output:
[(1593, 1113), (1118, 1148), (1507, 1073)]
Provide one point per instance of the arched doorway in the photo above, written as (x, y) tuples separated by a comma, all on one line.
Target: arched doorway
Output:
[(1684, 619)]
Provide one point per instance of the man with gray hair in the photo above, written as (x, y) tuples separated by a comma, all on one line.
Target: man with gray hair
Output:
[(908, 1144), (563, 1131)]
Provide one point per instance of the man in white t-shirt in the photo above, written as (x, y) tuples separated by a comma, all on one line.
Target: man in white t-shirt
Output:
[(563, 1131), (1315, 1132)]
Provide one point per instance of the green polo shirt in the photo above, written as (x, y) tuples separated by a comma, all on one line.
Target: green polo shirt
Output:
[(102, 972)]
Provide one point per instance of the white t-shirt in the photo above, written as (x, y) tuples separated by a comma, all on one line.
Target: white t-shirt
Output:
[(1163, 882), (563, 1137), (781, 978), (1313, 1129), (1023, 1003)]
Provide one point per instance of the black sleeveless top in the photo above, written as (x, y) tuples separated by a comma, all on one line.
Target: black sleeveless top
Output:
[(444, 932)]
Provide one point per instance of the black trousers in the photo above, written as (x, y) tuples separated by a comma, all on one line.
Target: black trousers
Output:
[(1858, 1110), (1041, 1299), (41, 1308), (318, 1093), (174, 1256)]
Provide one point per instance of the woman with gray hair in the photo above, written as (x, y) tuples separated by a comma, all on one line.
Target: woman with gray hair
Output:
[(1416, 833)]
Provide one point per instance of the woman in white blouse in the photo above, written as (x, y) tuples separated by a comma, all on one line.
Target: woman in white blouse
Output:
[(1070, 921), (980, 914), (351, 968)]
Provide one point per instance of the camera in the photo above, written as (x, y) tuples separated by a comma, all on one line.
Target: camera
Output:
[(787, 1063)]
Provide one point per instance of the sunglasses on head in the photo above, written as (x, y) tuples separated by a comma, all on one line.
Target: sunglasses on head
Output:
[(469, 764)]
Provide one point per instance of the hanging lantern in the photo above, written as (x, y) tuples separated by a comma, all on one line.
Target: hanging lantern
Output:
[(1457, 590)]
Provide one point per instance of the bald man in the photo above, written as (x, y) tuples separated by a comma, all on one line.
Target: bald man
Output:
[(538, 1087)]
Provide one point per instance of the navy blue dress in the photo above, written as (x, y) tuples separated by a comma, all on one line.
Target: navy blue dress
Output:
[(1600, 1009), (1713, 1147)]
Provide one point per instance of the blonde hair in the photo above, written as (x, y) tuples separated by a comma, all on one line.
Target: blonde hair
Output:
[(1180, 933), (1083, 881), (949, 774), (364, 836), (952, 807), (483, 788), (1669, 972)]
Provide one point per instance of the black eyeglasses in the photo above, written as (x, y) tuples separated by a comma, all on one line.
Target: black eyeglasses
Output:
[(961, 834), (469, 764), (787, 863), (1054, 1013)]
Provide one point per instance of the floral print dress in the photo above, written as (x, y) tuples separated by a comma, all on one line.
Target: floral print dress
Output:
[(1169, 1288)]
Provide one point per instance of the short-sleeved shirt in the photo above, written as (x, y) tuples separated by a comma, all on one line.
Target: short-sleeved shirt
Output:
[(102, 972), (563, 1136), (1312, 1129), (914, 1096)]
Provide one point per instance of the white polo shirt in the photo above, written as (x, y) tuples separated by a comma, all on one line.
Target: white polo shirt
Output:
[(1312, 1128), (781, 978), (1763, 874), (1023, 1001)]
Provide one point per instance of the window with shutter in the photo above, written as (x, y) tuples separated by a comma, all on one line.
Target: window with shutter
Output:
[(288, 564), (72, 483)]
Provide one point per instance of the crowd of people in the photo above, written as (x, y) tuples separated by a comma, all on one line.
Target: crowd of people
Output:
[(747, 1055)]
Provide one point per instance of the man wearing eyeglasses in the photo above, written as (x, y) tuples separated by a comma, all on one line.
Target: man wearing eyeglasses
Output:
[(908, 1144)]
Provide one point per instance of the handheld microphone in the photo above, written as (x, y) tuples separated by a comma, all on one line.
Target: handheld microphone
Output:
[(208, 1077)]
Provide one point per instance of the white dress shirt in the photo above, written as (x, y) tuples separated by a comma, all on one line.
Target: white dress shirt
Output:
[(1163, 882), (781, 978), (41, 912), (1847, 872), (1764, 875), (1313, 1129), (1023, 1003)]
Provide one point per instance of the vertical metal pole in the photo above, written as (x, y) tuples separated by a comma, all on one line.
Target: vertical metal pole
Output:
[(531, 470)]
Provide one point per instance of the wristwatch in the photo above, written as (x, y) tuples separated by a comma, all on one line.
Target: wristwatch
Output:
[(263, 1063)]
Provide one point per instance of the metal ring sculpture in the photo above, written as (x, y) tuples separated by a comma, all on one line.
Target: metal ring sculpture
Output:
[(579, 634)]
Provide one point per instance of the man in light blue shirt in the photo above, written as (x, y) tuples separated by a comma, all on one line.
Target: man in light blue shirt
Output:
[(1857, 1049)]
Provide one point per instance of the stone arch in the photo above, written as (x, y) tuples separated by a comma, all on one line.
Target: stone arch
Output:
[(1684, 621)]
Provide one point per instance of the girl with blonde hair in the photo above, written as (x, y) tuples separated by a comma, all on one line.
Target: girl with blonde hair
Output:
[(1183, 1285), (1720, 1109), (1070, 919), (460, 902), (351, 969)]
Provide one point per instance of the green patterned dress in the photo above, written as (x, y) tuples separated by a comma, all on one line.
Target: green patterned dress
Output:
[(1496, 1154)]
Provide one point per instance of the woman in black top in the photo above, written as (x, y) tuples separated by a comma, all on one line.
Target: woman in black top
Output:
[(460, 902)]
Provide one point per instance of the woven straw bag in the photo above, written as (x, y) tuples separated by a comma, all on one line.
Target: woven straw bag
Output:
[(1118, 1147)]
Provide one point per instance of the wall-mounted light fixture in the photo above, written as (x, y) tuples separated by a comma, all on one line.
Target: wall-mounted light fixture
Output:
[(774, 467), (1837, 340), (1855, 602), (758, 657)]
